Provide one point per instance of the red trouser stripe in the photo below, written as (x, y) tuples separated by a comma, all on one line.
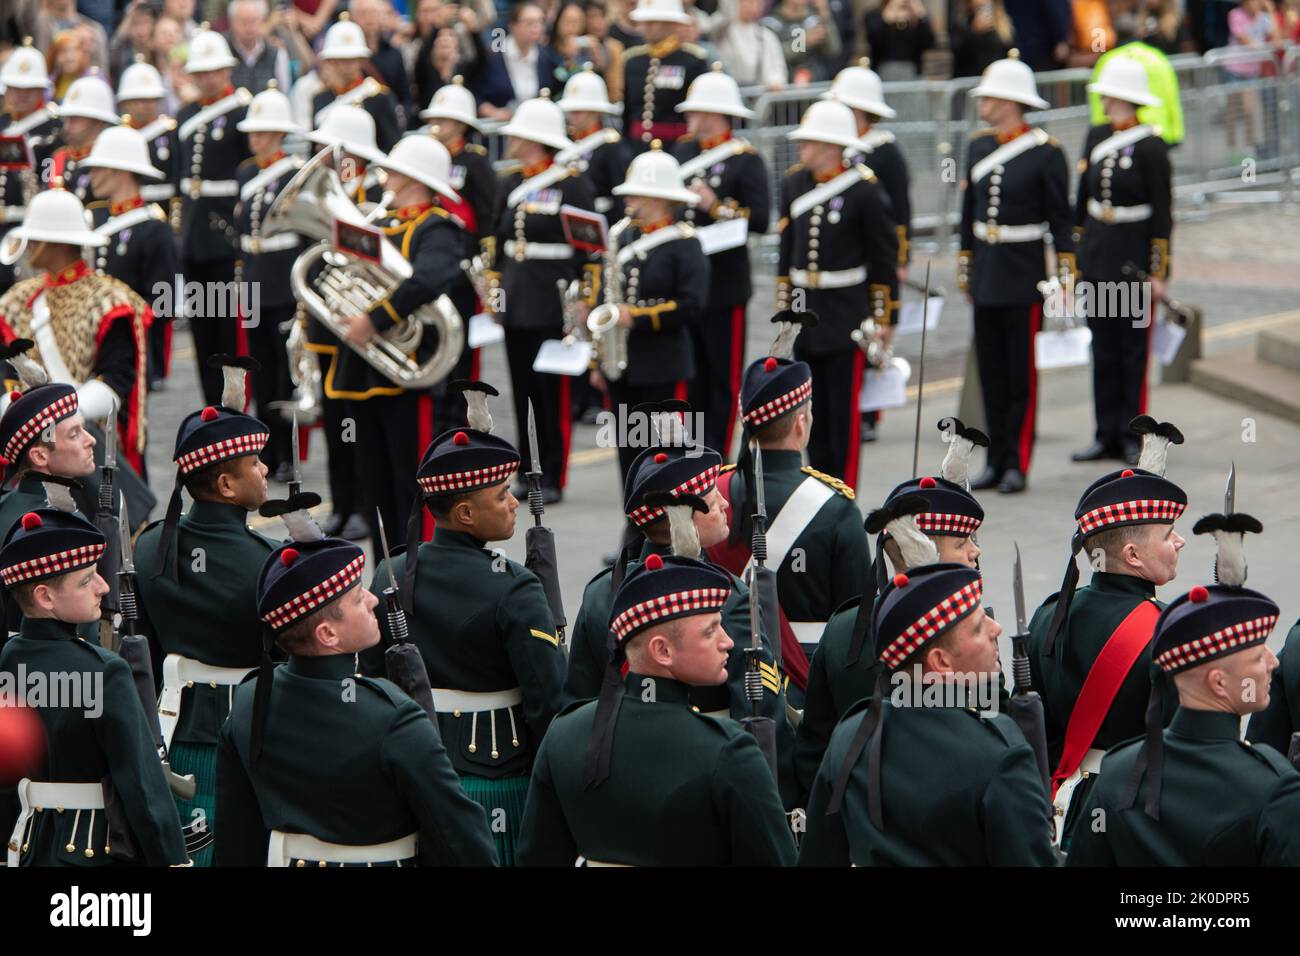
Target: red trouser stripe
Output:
[(1146, 360), (425, 431), (566, 428), (734, 368), (854, 443), (1028, 423)]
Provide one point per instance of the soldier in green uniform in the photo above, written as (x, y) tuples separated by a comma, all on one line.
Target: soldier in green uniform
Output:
[(948, 517), (1090, 650), (640, 777), (815, 540), (1195, 793), (938, 783), (1275, 724), (197, 591), (42, 432), (100, 761), (480, 620), (677, 470), (313, 727)]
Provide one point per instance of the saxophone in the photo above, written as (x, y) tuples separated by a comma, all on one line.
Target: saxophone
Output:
[(608, 338)]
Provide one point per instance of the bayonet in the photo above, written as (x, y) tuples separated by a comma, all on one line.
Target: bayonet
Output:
[(127, 565), (295, 485), (760, 493), (1018, 583), (534, 474), (920, 381), (110, 441), (1230, 492), (1026, 706), (388, 562)]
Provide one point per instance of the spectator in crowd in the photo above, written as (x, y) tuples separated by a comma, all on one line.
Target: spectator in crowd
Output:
[(1042, 31), (370, 16), (751, 52), (313, 16), (1160, 24), (606, 51), (18, 19), (283, 30), (426, 18), (464, 25), (1093, 33), (182, 11), (60, 15), (570, 41), (980, 33), (168, 57), (132, 36), (809, 39), (68, 57), (623, 28), (1288, 21), (259, 59), (1252, 25), (520, 70), (898, 34)]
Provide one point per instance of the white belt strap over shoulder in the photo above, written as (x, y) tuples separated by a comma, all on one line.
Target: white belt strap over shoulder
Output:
[(36, 795), (28, 123), (827, 190), (1120, 141), (732, 147), (795, 515), (447, 701), (538, 250), (1065, 792), (717, 713), (1104, 212), (241, 97), (127, 220), (283, 847), (587, 861), (654, 240), (544, 180), (808, 633), (43, 332), (277, 169), (994, 233), (211, 188), (1007, 152), (179, 672), (257, 244), (828, 278)]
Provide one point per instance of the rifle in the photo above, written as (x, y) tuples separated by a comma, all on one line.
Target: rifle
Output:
[(295, 485), (763, 728), (920, 382), (539, 540), (402, 660), (1026, 706), (110, 562), (1182, 313)]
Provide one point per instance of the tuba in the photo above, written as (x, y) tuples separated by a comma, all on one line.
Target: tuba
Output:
[(309, 205), (608, 338), (304, 372), (879, 356)]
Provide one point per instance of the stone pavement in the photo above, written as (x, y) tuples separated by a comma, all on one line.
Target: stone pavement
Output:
[(1237, 266)]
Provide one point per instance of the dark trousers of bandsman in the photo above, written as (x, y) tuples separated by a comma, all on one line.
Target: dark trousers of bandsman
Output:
[(1119, 375), (271, 383), (343, 473), (627, 397), (1004, 350), (213, 334), (836, 440), (391, 433), (718, 340), (550, 396)]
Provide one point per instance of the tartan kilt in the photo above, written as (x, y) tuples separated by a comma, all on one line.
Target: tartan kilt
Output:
[(200, 760), (502, 799)]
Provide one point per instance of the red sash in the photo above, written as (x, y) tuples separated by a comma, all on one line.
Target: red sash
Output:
[(1104, 678), (734, 558)]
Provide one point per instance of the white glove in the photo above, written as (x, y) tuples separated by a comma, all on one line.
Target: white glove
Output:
[(96, 400)]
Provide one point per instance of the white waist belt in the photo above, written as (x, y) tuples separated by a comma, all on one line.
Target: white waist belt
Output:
[(993, 232), (1109, 214), (587, 861), (211, 188), (13, 213), (717, 713), (539, 250), (35, 795), (256, 244), (180, 672), (157, 191), (470, 702), (1065, 792), (832, 279), (1092, 761), (284, 847), (808, 632)]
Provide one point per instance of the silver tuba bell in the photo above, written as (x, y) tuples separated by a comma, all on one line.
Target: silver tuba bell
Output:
[(879, 355), (310, 204), (608, 338)]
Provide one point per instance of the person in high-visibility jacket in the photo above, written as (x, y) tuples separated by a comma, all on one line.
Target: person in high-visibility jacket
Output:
[(1167, 114)]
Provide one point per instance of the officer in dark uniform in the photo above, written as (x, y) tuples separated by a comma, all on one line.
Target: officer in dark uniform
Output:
[(197, 590), (452, 115), (679, 470), (1015, 195), (1124, 215), (532, 256), (212, 147), (140, 93), (141, 249), (47, 565), (345, 57), (657, 75), (314, 726), (838, 259), (840, 674), (24, 111), (86, 111), (906, 784), (1126, 526), (651, 781), (481, 623), (664, 281), (732, 183), (1275, 724), (268, 261), (393, 422), (1195, 793), (814, 529)]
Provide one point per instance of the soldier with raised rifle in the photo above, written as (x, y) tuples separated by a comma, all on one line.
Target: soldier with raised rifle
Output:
[(698, 786)]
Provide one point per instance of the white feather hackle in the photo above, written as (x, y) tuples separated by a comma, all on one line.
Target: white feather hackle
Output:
[(476, 411), (682, 535), (915, 547)]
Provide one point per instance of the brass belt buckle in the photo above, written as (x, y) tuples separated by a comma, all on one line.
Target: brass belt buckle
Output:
[(992, 235), (1107, 214)]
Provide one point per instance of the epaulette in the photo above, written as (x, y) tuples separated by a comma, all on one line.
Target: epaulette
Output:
[(157, 212), (794, 169), (510, 168), (866, 172), (983, 132), (695, 50), (475, 148), (831, 480), (636, 51), (726, 468), (97, 204), (688, 231), (612, 135), (717, 723), (245, 162), (1268, 756), (1053, 141), (1157, 132)]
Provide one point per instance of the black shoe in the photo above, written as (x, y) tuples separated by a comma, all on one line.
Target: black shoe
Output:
[(1013, 481), (868, 431), (551, 496), (354, 529), (988, 478), (283, 473), (333, 525), (1095, 452), (1132, 451)]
